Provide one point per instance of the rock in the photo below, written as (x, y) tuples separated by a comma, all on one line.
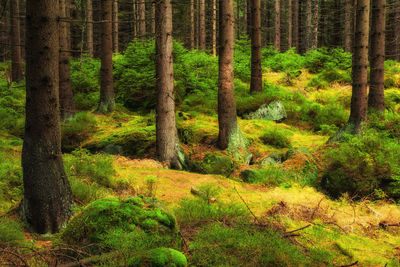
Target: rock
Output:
[(273, 159), (113, 149), (217, 164), (274, 111), (159, 257), (252, 176)]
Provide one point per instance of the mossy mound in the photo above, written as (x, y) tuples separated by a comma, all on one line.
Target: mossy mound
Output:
[(217, 164), (159, 257), (111, 214)]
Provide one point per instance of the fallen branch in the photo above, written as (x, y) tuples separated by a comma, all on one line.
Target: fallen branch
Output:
[(315, 210), (247, 206), (287, 234), (349, 265)]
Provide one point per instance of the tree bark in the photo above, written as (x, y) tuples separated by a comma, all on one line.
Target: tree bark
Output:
[(315, 25), (142, 18), (348, 33), (214, 27), (290, 24), (166, 133), (308, 35), (89, 27), (358, 112), (16, 59), (106, 104), (376, 100), (256, 71), (296, 24), (202, 25), (245, 15), (277, 40), (47, 194), (153, 18), (192, 24), (226, 99), (397, 30), (67, 107), (115, 26)]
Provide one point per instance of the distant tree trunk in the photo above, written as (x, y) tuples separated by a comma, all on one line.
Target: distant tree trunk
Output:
[(245, 15), (348, 33), (67, 107), (16, 59), (214, 27), (166, 133), (135, 18), (153, 18), (89, 27), (308, 35), (277, 41), (315, 25), (376, 99), (192, 24), (115, 26), (202, 26), (256, 72), (397, 30), (47, 199), (290, 24), (358, 112), (226, 99), (142, 18), (296, 24), (106, 104)]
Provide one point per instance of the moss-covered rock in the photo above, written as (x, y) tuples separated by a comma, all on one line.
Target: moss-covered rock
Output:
[(273, 159), (217, 164), (252, 176), (159, 257), (111, 214), (274, 111)]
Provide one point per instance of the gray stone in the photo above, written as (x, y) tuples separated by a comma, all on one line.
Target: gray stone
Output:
[(272, 159), (274, 111)]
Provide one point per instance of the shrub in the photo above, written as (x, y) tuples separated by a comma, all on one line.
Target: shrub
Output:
[(285, 62), (277, 137), (318, 115), (12, 108), (325, 59), (85, 75)]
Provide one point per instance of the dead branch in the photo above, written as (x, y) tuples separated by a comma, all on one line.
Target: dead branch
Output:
[(286, 234), (247, 206)]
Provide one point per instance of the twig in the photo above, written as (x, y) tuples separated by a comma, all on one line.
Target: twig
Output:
[(286, 234), (247, 206), (349, 265), (315, 210)]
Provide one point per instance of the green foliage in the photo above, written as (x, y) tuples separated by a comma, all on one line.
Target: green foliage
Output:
[(242, 67), (12, 108), (159, 257), (277, 137), (244, 244), (288, 61), (85, 75), (11, 232), (327, 58), (77, 129), (329, 76), (318, 115), (217, 164)]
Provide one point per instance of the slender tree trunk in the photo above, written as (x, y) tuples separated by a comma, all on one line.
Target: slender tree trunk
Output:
[(142, 18), (166, 133), (192, 24), (47, 194), (277, 41), (376, 99), (358, 112), (290, 24), (89, 27), (397, 29), (214, 28), (67, 107), (245, 15), (115, 26), (296, 24), (153, 18), (315, 25), (308, 35), (16, 59), (135, 19), (202, 26), (348, 34), (106, 104), (256, 71)]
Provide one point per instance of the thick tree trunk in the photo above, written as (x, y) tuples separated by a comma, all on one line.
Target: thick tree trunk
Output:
[(202, 25), (16, 59), (315, 25), (277, 40), (47, 194), (256, 71), (89, 27), (290, 24), (192, 24), (67, 107), (296, 24), (348, 33), (142, 18), (115, 26), (308, 35), (166, 133), (214, 27), (106, 104), (376, 101), (358, 112)]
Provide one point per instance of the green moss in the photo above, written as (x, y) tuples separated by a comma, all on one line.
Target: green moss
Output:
[(159, 257), (217, 164)]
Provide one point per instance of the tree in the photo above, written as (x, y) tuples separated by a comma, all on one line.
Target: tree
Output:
[(214, 27), (115, 26), (192, 25), (358, 110), (166, 134), (308, 32), (16, 59), (256, 71), (315, 25), (348, 33), (106, 103), (397, 30), (277, 40), (47, 194), (67, 107), (142, 18), (290, 24), (202, 25), (296, 24), (376, 101), (89, 27)]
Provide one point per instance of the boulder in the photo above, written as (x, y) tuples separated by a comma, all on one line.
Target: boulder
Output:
[(273, 159), (274, 111), (159, 257), (217, 164)]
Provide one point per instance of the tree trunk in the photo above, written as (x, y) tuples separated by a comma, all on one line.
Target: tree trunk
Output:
[(308, 35), (376, 101), (202, 25), (256, 71), (142, 18), (315, 25), (106, 104), (296, 24), (277, 40), (290, 24), (89, 27), (245, 15), (115, 26), (153, 18), (16, 59), (47, 194), (226, 98), (214, 27), (192, 24), (358, 112), (348, 33), (397, 30), (67, 107), (166, 133)]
